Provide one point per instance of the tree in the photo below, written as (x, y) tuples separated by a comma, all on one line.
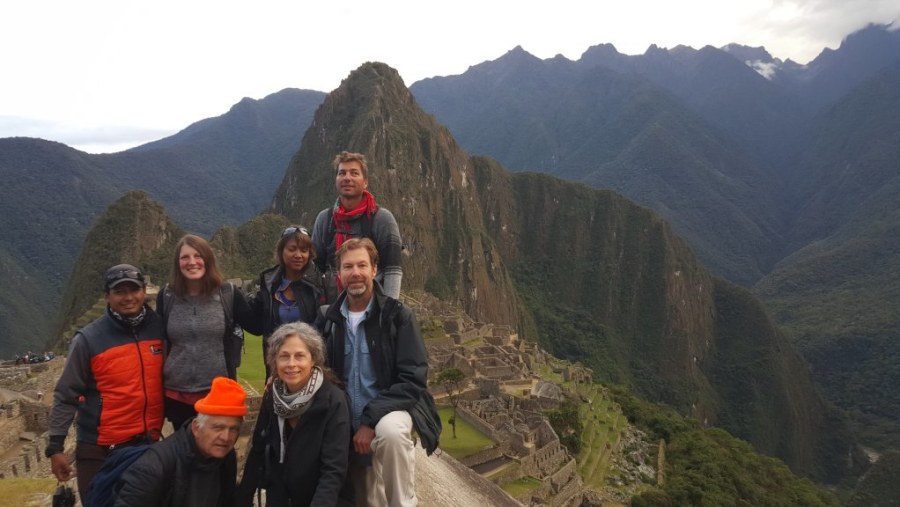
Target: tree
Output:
[(453, 380), (566, 422)]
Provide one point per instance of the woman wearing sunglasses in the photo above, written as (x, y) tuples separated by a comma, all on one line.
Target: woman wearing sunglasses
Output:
[(292, 290)]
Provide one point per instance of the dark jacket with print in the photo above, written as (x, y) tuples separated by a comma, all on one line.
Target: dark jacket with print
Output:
[(308, 291), (172, 473), (315, 459)]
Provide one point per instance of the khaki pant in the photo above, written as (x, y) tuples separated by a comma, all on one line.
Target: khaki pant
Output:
[(390, 481)]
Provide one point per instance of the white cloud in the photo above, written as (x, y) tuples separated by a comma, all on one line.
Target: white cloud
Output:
[(104, 65), (91, 139), (764, 69)]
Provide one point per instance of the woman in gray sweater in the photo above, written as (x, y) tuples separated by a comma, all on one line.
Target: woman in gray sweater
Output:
[(200, 313)]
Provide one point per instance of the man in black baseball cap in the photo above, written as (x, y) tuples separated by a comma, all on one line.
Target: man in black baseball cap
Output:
[(124, 273), (112, 380)]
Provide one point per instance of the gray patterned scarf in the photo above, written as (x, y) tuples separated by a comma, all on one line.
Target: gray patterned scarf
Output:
[(290, 405)]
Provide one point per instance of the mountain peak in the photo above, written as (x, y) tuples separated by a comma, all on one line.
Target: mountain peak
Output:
[(518, 50), (417, 171), (518, 56), (129, 230), (655, 52), (600, 53), (875, 42), (757, 58), (748, 53)]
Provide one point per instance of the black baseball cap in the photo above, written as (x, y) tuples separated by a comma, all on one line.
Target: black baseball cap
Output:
[(122, 273)]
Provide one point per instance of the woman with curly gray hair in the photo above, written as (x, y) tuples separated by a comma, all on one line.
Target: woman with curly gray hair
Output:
[(301, 441)]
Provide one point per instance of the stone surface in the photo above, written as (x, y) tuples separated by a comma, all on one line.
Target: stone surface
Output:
[(444, 481)]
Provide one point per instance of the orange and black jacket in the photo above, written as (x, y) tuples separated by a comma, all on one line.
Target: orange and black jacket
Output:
[(113, 380)]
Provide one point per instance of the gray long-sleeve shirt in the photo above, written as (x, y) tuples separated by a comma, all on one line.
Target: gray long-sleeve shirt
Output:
[(385, 233)]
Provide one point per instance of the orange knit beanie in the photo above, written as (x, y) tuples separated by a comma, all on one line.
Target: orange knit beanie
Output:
[(226, 397)]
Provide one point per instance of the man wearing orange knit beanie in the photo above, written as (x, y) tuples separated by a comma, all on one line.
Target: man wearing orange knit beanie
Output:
[(196, 465)]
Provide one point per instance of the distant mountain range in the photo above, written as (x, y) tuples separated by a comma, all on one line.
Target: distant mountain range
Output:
[(219, 171), (779, 176), (783, 177)]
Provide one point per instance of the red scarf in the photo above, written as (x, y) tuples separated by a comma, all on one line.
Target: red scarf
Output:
[(342, 219)]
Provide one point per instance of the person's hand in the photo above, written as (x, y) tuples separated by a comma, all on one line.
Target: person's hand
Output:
[(59, 465), (362, 440)]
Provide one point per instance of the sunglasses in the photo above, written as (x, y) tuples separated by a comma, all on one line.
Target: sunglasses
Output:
[(294, 230), (130, 274)]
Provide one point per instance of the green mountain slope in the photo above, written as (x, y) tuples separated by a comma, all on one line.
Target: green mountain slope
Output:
[(618, 131), (839, 296), (223, 170), (218, 171), (133, 230), (608, 283), (880, 485), (707, 466), (19, 316)]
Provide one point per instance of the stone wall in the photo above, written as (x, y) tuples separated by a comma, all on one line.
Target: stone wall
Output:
[(11, 424), (488, 387), (455, 360), (520, 386), (36, 416), (253, 405), (13, 375), (572, 489), (30, 462), (453, 325), (479, 423), (564, 475), (464, 336), (498, 372), (548, 458), (445, 341), (494, 340), (482, 456), (441, 399)]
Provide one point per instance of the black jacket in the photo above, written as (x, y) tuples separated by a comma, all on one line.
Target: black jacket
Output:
[(315, 459), (172, 474), (308, 289), (397, 349), (309, 293)]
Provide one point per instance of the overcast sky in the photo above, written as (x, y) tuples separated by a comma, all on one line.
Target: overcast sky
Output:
[(103, 76)]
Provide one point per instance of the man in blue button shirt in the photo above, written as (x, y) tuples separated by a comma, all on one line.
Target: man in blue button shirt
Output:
[(375, 346)]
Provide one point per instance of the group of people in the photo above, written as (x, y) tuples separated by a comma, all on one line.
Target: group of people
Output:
[(31, 358), (345, 360)]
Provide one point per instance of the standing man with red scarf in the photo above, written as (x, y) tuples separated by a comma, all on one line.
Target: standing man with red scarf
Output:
[(355, 215)]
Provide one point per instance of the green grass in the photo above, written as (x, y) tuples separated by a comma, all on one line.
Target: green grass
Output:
[(253, 369), (521, 487), (545, 371), (474, 342), (468, 439), (601, 426), (15, 491)]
